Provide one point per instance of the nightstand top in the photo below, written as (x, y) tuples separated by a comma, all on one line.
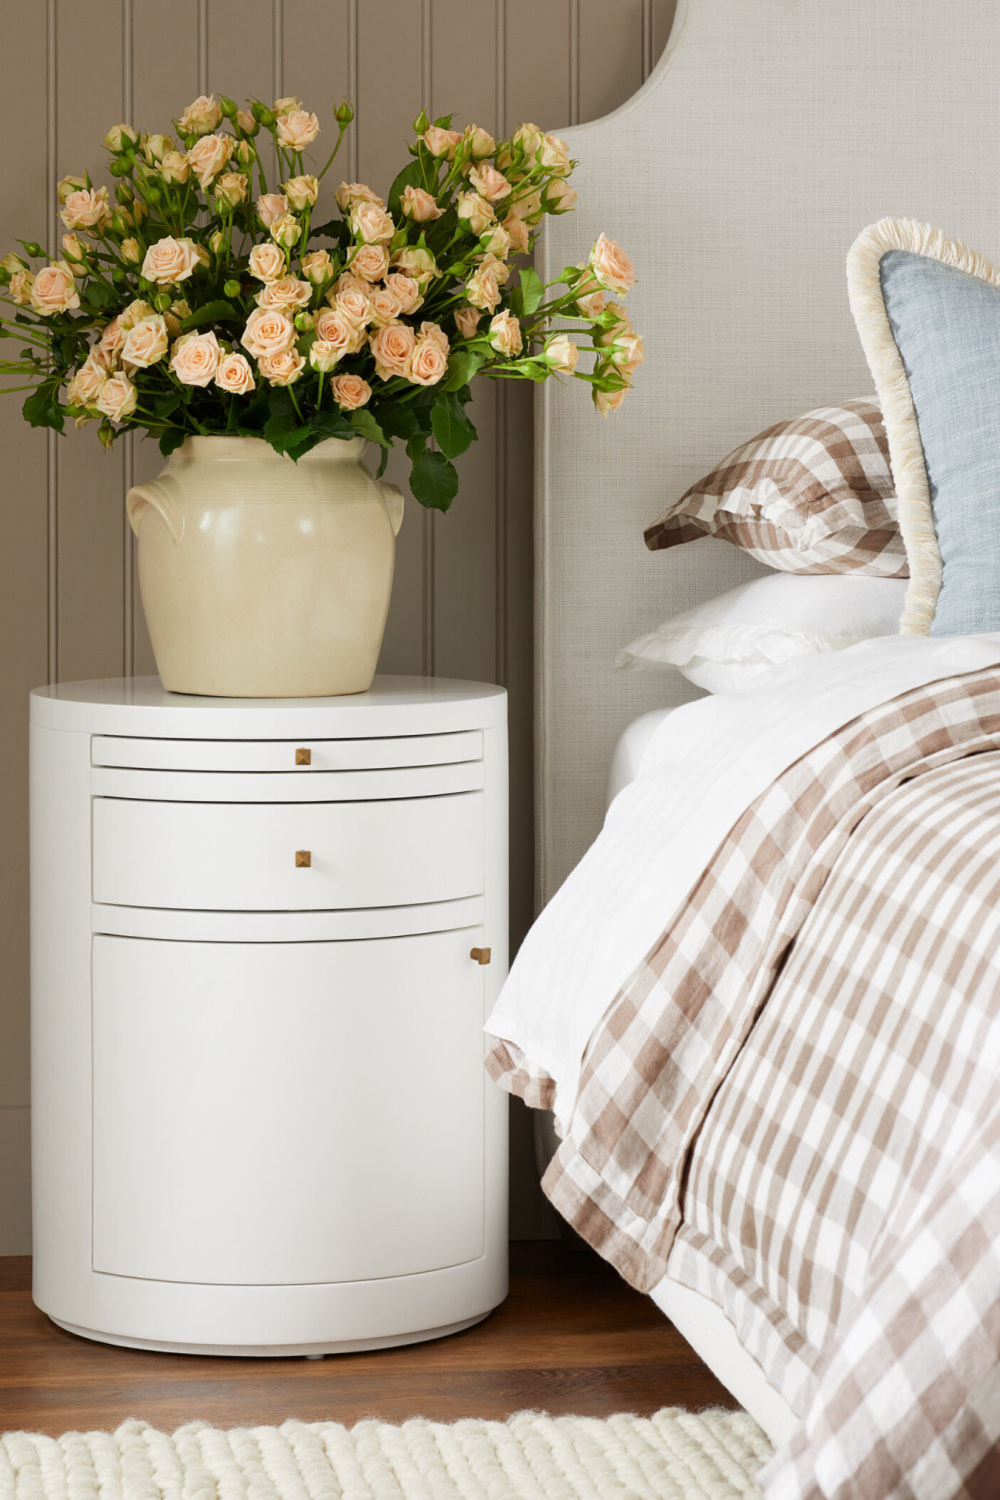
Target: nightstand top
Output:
[(392, 706)]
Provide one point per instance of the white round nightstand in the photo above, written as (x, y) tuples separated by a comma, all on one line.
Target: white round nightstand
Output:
[(265, 935)]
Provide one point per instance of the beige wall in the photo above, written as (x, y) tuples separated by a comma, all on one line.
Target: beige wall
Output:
[(69, 604)]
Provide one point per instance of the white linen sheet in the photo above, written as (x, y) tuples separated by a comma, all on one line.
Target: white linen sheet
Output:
[(704, 765)]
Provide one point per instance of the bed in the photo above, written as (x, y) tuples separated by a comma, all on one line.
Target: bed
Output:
[(738, 177)]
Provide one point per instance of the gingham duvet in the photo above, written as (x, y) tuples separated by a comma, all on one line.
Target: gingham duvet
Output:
[(791, 1103)]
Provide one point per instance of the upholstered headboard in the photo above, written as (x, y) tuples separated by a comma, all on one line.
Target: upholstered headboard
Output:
[(768, 135)]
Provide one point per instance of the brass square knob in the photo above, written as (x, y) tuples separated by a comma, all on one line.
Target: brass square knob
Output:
[(303, 757), (481, 955), (303, 859)]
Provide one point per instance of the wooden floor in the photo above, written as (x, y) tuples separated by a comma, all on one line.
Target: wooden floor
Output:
[(571, 1338)]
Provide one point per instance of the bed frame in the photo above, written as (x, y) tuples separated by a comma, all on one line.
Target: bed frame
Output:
[(768, 135)]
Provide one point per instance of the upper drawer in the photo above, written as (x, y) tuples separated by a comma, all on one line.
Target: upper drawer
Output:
[(287, 755), (252, 856)]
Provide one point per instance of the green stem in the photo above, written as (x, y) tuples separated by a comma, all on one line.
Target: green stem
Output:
[(330, 160)]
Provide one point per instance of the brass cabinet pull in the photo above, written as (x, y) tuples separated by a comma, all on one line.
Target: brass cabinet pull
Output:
[(303, 757), (481, 955), (303, 859)]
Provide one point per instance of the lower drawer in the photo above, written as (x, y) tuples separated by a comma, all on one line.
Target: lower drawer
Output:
[(287, 856)]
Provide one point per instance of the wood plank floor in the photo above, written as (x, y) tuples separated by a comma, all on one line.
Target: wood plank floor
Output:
[(571, 1338)]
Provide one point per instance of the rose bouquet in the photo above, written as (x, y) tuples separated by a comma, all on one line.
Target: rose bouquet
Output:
[(200, 300)]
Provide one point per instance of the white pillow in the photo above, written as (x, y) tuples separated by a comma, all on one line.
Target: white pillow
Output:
[(727, 643)]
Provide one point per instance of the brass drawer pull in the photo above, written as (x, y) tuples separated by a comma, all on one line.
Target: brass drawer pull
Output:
[(303, 757), (481, 955), (303, 859)]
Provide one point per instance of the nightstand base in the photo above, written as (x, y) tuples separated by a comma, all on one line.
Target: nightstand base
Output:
[(274, 1351)]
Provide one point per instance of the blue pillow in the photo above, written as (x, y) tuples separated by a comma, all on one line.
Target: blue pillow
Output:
[(928, 312)]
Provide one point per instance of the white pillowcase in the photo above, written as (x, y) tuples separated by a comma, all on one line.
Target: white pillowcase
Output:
[(727, 643)]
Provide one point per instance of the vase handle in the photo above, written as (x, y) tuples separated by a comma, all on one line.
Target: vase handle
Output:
[(154, 496), (393, 497)]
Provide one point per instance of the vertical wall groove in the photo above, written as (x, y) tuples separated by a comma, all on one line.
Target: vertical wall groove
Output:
[(52, 458), (352, 86), (647, 38), (203, 46), (128, 463), (574, 62), (278, 81)]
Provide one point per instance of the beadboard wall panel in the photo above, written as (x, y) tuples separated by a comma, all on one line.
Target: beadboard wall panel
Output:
[(462, 601)]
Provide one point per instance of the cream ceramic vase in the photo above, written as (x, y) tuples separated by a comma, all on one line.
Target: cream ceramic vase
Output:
[(262, 578)]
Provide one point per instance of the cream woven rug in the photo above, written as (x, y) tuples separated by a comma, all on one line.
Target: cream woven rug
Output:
[(674, 1455)]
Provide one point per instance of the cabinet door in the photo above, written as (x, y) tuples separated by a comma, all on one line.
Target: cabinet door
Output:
[(274, 1113)]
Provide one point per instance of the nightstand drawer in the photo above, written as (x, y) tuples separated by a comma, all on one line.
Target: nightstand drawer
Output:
[(298, 756), (287, 856)]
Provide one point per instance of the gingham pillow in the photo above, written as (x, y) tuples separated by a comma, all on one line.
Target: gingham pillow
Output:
[(813, 495)]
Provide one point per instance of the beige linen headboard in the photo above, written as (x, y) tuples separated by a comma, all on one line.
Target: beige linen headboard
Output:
[(768, 135)]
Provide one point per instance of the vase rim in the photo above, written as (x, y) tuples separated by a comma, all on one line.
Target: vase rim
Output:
[(221, 446)]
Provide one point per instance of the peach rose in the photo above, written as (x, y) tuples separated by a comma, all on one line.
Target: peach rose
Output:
[(286, 105), (282, 369), (433, 333), (393, 348), (113, 338), (195, 358), (355, 302), (170, 261), (323, 356), (529, 138), (155, 146), (73, 248), (441, 142), (479, 141), (332, 327), (555, 156), (146, 342), (234, 375), (528, 206), (175, 168), (19, 288), (505, 334), (561, 353), (428, 364), (483, 289), (518, 234), (288, 291), (350, 391), (350, 193), (231, 189), (315, 266), (302, 192), (246, 122), (286, 231), (117, 397), (54, 291), (607, 401), (270, 208), (419, 264), (371, 224), (559, 197), (497, 243), (588, 296), (85, 387), (370, 262), (611, 267), (267, 263), (268, 331), (201, 116), (297, 130), (490, 183), (87, 209), (405, 290), (385, 306), (475, 211), (208, 156), (344, 282), (467, 321), (67, 185), (136, 311), (131, 251), (419, 205)]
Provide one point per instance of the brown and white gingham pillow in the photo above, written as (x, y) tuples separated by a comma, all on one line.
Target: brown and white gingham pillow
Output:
[(813, 495)]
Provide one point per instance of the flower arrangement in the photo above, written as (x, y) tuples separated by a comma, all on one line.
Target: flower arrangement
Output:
[(198, 301)]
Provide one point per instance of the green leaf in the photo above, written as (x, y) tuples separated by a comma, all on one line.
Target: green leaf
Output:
[(212, 312), (434, 481), (171, 439), (42, 409), (99, 295), (382, 463), (365, 426), (532, 290), (331, 424), (462, 366), (452, 429), (397, 420), (282, 420), (167, 404), (410, 176), (299, 441)]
